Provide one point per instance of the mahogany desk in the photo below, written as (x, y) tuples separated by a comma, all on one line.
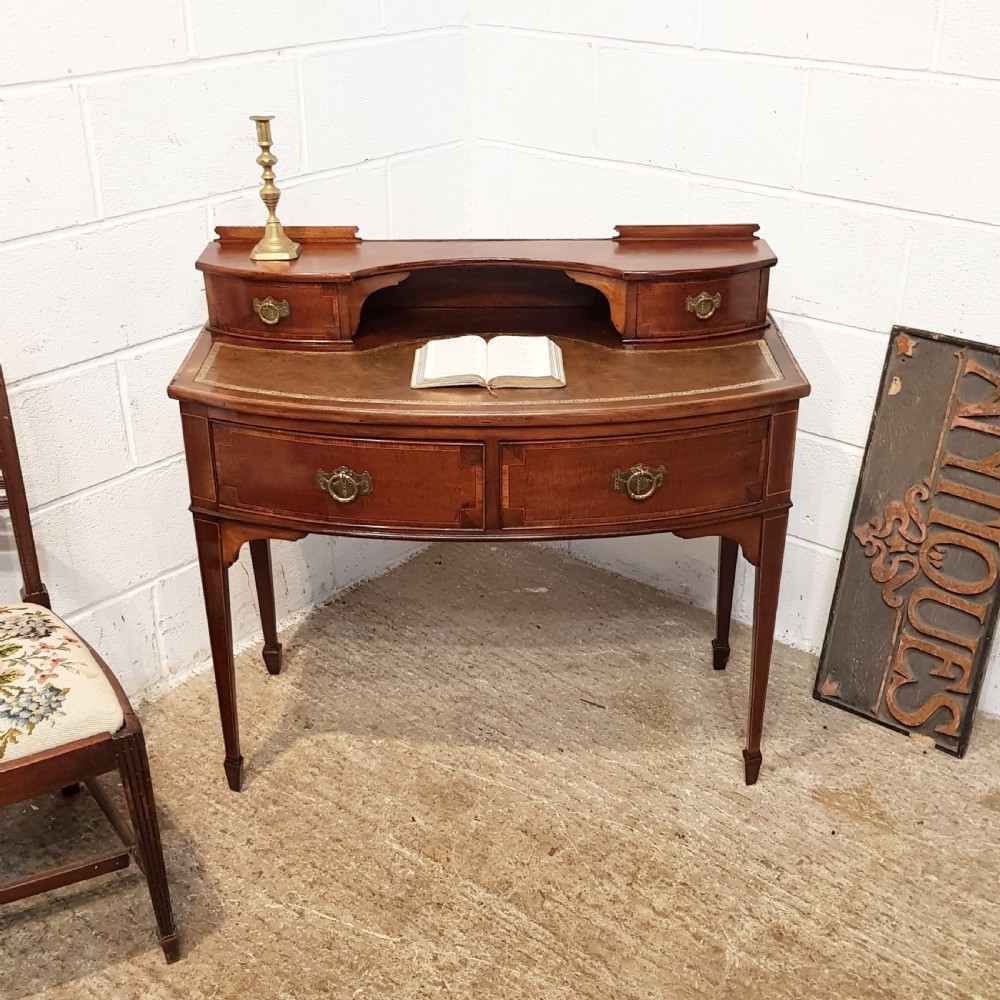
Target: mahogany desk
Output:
[(679, 413)]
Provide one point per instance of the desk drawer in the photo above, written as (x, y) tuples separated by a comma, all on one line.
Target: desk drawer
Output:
[(273, 311), (625, 480), (348, 481), (702, 307)]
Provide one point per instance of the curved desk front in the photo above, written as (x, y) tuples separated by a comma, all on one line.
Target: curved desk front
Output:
[(677, 432)]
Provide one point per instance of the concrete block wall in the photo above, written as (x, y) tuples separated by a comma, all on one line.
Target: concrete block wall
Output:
[(858, 135), (125, 139)]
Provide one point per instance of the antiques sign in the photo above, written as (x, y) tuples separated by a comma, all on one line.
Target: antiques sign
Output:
[(916, 597)]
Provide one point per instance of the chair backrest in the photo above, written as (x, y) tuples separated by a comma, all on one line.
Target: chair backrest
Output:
[(12, 498)]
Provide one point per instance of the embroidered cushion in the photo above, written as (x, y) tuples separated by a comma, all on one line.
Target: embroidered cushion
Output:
[(52, 690)]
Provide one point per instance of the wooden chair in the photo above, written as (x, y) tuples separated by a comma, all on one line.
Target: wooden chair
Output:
[(64, 719)]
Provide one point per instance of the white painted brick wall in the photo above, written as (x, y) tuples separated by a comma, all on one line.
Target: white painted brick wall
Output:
[(748, 117), (226, 27), (125, 139), (413, 213), (887, 33), (921, 143), (62, 41), (641, 20), (356, 195), (862, 137), (867, 154), (95, 290), (55, 414), (851, 275), (47, 178), (170, 135), (844, 364), (535, 91), (579, 195), (967, 41)]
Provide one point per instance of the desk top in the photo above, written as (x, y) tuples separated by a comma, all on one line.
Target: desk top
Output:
[(335, 254), (605, 383)]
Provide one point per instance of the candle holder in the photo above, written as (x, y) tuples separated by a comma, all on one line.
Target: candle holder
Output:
[(275, 244)]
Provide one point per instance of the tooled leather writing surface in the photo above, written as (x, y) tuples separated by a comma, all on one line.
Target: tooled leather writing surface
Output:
[(603, 379)]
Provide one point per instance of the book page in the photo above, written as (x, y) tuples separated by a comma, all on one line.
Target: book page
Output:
[(519, 356), (455, 357)]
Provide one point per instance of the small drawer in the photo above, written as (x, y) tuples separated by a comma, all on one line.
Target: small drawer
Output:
[(273, 311), (627, 480), (347, 481), (679, 310)]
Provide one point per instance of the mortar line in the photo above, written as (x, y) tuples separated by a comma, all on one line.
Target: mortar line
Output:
[(188, 16), (88, 139), (803, 128), (750, 187), (300, 91), (247, 57), (129, 476), (99, 361), (940, 21), (123, 402), (214, 198), (904, 277), (767, 58)]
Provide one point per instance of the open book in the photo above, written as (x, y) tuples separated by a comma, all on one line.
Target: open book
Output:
[(502, 362)]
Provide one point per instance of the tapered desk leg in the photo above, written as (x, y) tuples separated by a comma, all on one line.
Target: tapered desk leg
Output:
[(260, 555), (215, 584), (765, 607), (728, 550)]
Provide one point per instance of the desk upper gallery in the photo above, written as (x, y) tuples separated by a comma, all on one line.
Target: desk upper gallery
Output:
[(678, 413)]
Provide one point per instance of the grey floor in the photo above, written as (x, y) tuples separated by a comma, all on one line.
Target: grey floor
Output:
[(500, 773)]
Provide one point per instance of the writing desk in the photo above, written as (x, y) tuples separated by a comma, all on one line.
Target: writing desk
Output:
[(678, 414)]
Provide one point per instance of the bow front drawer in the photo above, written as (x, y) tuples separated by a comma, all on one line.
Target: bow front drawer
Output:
[(656, 477), (287, 312), (701, 307), (328, 481)]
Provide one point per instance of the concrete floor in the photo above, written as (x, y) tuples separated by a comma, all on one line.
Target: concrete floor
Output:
[(499, 773)]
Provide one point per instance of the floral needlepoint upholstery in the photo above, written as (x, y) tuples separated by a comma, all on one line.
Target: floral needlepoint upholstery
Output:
[(52, 691)]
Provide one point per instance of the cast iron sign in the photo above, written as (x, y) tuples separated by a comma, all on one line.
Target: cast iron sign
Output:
[(916, 597)]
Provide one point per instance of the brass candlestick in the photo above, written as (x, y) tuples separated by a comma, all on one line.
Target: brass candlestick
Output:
[(275, 244)]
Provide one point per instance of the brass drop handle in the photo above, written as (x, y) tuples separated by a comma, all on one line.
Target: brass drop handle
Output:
[(640, 482), (344, 485), (271, 310), (703, 305)]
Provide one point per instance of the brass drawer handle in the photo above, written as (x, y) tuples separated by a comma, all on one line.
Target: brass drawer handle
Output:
[(344, 485), (703, 305), (640, 482), (271, 310)]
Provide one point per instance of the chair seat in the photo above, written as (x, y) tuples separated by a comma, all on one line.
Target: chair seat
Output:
[(52, 690)]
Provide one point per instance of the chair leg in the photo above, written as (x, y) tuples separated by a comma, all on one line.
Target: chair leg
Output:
[(133, 765)]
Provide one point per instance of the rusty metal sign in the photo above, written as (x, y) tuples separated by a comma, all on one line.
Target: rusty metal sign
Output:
[(917, 593)]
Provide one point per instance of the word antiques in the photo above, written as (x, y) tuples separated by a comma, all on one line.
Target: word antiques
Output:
[(945, 538)]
